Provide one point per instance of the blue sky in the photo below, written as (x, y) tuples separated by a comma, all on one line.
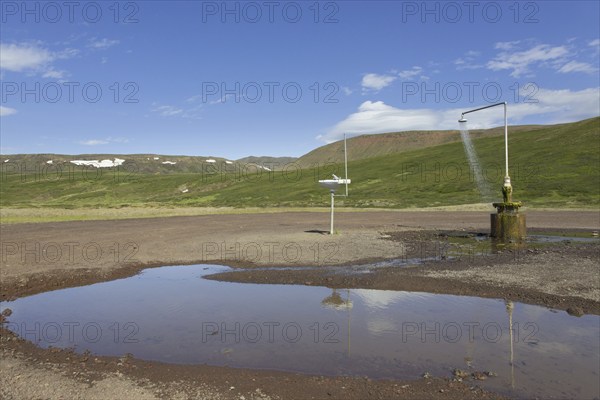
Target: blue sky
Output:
[(281, 78)]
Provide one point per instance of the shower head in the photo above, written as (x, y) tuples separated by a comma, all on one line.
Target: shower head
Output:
[(462, 119)]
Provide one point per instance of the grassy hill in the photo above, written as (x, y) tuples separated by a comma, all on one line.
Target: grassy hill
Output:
[(368, 146), (133, 163), (267, 161), (553, 166)]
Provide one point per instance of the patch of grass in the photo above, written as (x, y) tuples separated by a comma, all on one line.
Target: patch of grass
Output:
[(26, 215)]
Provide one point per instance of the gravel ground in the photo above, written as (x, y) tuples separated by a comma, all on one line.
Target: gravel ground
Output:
[(563, 276)]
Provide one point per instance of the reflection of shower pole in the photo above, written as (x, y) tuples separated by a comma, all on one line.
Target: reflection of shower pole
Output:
[(348, 307), (509, 308)]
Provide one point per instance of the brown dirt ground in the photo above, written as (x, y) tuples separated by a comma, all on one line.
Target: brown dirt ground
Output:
[(41, 257)]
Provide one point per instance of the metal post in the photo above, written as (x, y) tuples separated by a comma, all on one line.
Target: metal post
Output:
[(346, 164), (506, 177), (332, 200), (505, 139)]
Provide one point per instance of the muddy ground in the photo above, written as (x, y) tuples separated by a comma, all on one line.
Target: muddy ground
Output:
[(41, 257)]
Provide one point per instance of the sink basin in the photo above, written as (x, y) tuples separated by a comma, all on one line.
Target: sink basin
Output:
[(333, 184)]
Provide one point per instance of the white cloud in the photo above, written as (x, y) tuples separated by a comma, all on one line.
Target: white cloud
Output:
[(173, 111), (594, 43), (193, 98), (167, 111), (410, 73), (27, 57), (93, 142), (574, 66), (553, 106), (468, 61), (378, 117), (103, 43), (376, 82), (54, 74), (98, 142), (562, 105), (347, 91), (520, 61), (462, 63), (65, 53), (117, 139), (6, 111), (507, 45), (20, 57), (232, 97)]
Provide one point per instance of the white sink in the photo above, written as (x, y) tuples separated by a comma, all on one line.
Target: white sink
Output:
[(333, 184)]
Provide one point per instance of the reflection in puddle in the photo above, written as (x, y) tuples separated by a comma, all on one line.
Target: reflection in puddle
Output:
[(171, 314)]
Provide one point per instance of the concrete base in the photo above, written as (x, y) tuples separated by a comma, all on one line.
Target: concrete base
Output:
[(508, 226)]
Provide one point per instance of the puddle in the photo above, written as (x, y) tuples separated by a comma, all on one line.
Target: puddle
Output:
[(453, 246), (367, 268), (171, 314), (562, 238), (460, 245)]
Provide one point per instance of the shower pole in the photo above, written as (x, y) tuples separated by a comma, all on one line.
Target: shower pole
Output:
[(462, 119)]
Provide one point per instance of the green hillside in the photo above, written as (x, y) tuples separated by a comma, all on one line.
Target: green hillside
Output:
[(554, 166), (274, 163), (133, 163), (368, 146)]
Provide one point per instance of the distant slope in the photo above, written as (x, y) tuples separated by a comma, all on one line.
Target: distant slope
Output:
[(274, 163), (135, 163), (553, 166), (127, 163), (368, 146)]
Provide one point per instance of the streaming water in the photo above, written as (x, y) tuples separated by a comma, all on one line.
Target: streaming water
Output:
[(172, 314), (480, 181)]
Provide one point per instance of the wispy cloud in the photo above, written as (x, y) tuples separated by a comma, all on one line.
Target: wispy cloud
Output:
[(574, 66), (103, 43), (99, 142), (6, 111), (559, 58), (167, 111), (117, 139), (54, 74), (174, 111), (520, 62), (594, 43), (468, 61), (506, 45), (375, 82), (553, 106), (193, 98), (93, 142), (411, 73)]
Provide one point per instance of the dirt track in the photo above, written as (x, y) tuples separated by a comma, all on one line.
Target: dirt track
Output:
[(40, 257)]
